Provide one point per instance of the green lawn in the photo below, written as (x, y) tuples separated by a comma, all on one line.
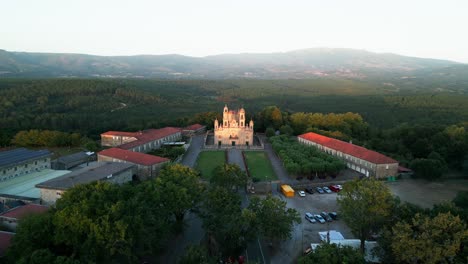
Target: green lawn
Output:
[(208, 160), (259, 166)]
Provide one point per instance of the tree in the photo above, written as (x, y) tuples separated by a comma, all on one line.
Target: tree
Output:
[(286, 130), (275, 220), (333, 254), (427, 168), (33, 234), (197, 254), (428, 240), (364, 205), (461, 200), (225, 221), (229, 176), (181, 189), (269, 132)]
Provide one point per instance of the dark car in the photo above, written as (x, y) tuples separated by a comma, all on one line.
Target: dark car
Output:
[(333, 215), (326, 216), (309, 190), (319, 190)]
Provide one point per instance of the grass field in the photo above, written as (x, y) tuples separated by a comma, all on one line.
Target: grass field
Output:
[(208, 160), (259, 166)]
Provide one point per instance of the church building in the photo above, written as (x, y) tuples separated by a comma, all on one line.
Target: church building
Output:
[(233, 130)]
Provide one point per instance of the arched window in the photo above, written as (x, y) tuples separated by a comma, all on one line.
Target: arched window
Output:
[(242, 116)]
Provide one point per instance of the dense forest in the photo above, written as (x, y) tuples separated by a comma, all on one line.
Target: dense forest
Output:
[(408, 124), (91, 106)]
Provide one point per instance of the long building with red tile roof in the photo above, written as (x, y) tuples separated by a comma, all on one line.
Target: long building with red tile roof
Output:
[(142, 141), (360, 159), (147, 165), (194, 129)]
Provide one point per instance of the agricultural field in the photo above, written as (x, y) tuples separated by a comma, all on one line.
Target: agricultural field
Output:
[(259, 166), (207, 161)]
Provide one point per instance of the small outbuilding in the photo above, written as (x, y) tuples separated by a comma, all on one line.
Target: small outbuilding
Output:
[(114, 172)]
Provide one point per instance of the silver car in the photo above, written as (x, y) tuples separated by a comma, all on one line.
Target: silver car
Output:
[(319, 219), (326, 189), (310, 218)]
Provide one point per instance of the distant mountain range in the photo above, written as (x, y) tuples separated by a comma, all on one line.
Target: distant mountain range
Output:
[(299, 64)]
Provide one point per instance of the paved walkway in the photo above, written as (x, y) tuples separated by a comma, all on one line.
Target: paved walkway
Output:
[(256, 250), (235, 157), (193, 232), (192, 152)]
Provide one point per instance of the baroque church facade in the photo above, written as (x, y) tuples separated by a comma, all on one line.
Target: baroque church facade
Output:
[(233, 130)]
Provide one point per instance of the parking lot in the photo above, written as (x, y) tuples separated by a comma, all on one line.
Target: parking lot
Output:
[(306, 232), (426, 193)]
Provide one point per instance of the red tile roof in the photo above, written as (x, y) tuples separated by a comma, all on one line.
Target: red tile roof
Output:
[(150, 135), (348, 148), (194, 127), (5, 241), (21, 211), (119, 133), (133, 157), (403, 169)]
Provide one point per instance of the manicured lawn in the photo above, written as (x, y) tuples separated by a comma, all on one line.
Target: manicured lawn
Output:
[(208, 160), (259, 166)]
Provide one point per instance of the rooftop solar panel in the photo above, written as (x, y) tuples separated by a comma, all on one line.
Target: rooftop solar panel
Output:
[(19, 155)]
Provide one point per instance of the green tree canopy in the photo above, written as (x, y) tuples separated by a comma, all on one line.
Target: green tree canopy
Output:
[(428, 240), (229, 176), (180, 188), (364, 205), (275, 220)]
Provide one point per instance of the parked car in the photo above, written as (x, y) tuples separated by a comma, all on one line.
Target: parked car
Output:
[(319, 219), (310, 218), (325, 189), (334, 188), (339, 186), (301, 193), (326, 216), (333, 215), (319, 190), (309, 190)]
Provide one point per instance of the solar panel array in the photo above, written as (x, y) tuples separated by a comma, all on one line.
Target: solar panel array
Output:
[(19, 155)]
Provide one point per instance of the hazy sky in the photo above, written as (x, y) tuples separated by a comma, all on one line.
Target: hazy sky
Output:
[(422, 28)]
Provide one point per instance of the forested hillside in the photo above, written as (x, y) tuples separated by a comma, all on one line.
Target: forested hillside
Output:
[(298, 64), (91, 106)]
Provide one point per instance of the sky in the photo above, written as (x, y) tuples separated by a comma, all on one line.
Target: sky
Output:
[(430, 28)]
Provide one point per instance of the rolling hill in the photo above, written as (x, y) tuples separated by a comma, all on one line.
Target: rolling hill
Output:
[(299, 64)]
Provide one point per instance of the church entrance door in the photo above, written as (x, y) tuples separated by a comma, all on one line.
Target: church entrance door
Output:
[(233, 143)]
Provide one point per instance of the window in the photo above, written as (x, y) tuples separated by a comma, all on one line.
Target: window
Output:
[(35, 163), (25, 165), (4, 172), (16, 168), (242, 116)]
